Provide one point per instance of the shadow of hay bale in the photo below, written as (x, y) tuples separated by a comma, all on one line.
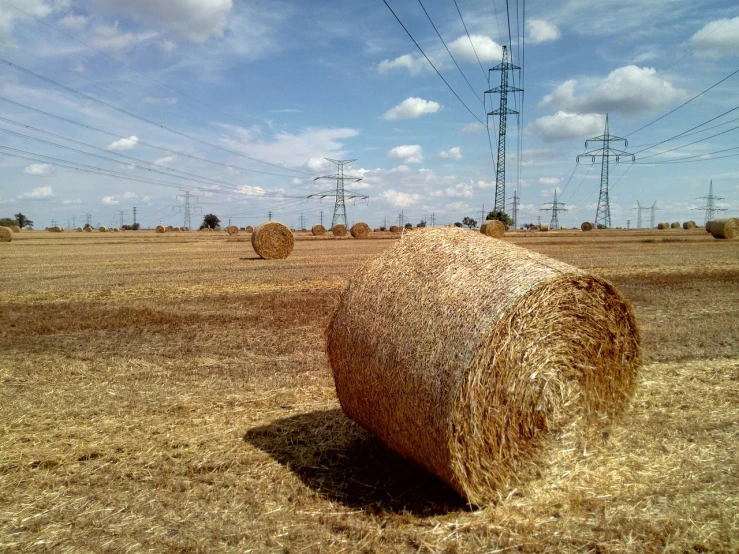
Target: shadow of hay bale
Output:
[(341, 461)]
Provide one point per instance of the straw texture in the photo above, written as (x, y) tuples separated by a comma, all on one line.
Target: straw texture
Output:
[(687, 225), (79, 230), (232, 230), (160, 229), (543, 226), (663, 225), (675, 225), (6, 235), (493, 228), (586, 226), (479, 359), (360, 230), (339, 230), (724, 228), (318, 230), (249, 229), (395, 229), (88, 229), (57, 229), (15, 228), (272, 240)]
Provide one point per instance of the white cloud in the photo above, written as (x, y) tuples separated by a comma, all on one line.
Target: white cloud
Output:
[(73, 22), (457, 206), (110, 200), (250, 191), (146, 198), (630, 90), (39, 169), (79, 68), (542, 31), (128, 194), (8, 15), (411, 108), (486, 184), (460, 190), (165, 160), (171, 101), (400, 199), (196, 20), (550, 180), (77, 201), (723, 39), (109, 37), (414, 64), (454, 153), (37, 193), (567, 126), (407, 153), (487, 49), (124, 143), (473, 127), (549, 193)]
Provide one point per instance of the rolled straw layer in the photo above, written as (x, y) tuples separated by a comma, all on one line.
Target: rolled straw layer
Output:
[(339, 230), (493, 228), (724, 228), (6, 235), (272, 240), (318, 230), (474, 357), (360, 230), (586, 226)]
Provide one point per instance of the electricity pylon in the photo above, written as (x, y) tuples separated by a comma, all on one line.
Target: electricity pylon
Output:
[(605, 153), (515, 203), (710, 207), (639, 209), (186, 208), (504, 67), (340, 193), (556, 207), (652, 221)]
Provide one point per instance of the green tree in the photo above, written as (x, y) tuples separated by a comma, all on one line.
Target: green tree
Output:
[(601, 226), (469, 222), (409, 225), (210, 220), (457, 224), (500, 215), (422, 223), (7, 222), (22, 220)]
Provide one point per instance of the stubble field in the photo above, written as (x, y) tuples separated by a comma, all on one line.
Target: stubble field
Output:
[(170, 393)]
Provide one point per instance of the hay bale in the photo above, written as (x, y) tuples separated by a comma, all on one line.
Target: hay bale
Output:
[(339, 230), (272, 240), (492, 228), (663, 225), (586, 226), (687, 225), (543, 226), (376, 230), (115, 229), (88, 229), (318, 230), (79, 230), (675, 225), (360, 230), (526, 355), (160, 229), (232, 230), (724, 228), (15, 228), (218, 228), (57, 229), (395, 229), (6, 234), (249, 229), (103, 229)]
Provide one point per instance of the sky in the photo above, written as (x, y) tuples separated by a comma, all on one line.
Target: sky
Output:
[(107, 105)]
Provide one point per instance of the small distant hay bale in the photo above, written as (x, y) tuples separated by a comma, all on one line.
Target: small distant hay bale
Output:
[(663, 225), (395, 229), (79, 230), (88, 229), (563, 228), (376, 230), (103, 229), (232, 230), (6, 234), (160, 229), (543, 226), (272, 240), (675, 225), (527, 357), (586, 226), (687, 225), (318, 230), (218, 228), (493, 228), (249, 229), (15, 228), (339, 230), (724, 228), (360, 230), (115, 229), (57, 229)]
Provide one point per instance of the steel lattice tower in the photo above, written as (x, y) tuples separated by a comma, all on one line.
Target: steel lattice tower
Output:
[(187, 209), (340, 193), (504, 67), (710, 207), (639, 209), (556, 207), (652, 210), (605, 153), (515, 203)]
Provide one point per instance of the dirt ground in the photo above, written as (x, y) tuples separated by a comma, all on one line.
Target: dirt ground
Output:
[(170, 393)]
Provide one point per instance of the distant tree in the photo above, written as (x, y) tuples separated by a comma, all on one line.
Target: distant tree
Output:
[(500, 215), (528, 226), (7, 222), (422, 223), (87, 225), (457, 224), (409, 225), (136, 226), (22, 220), (601, 226), (469, 222), (210, 220), (383, 228)]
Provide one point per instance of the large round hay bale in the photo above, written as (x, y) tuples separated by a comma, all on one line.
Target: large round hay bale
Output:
[(15, 228), (6, 234), (724, 228), (160, 229), (675, 225), (79, 230), (339, 230), (318, 230), (272, 240), (492, 228), (687, 225), (360, 230), (103, 229), (663, 225), (232, 230), (88, 229), (525, 355), (249, 229), (395, 229), (586, 226), (543, 226)]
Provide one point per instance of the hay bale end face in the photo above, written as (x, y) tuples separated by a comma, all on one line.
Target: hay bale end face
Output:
[(663, 225), (272, 240), (493, 228), (232, 230), (249, 229), (339, 230), (689, 225), (543, 226), (360, 230), (160, 229), (724, 228), (479, 397), (675, 225), (6, 234), (318, 230), (15, 228), (586, 226)]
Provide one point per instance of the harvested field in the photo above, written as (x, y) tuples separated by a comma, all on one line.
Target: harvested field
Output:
[(147, 406)]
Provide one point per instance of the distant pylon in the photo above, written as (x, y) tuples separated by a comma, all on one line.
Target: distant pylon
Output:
[(639, 209), (556, 207), (710, 208), (652, 220), (340, 193), (605, 153), (187, 208), (515, 203)]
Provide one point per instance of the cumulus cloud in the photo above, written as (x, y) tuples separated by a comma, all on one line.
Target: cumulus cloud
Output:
[(77, 201), (37, 193), (171, 101), (630, 90), (451, 154), (110, 200), (549, 193), (550, 180), (73, 22), (124, 143), (542, 31), (414, 64), (486, 48), (567, 126), (473, 127), (39, 169), (400, 199), (111, 38), (460, 190), (129, 194), (8, 15), (250, 191), (407, 153), (723, 39), (165, 160), (411, 108)]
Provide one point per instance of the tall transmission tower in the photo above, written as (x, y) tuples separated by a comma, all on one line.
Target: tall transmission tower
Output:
[(134, 215), (515, 203), (556, 207), (121, 215), (652, 222), (504, 67), (341, 194), (187, 208), (605, 153), (639, 209), (710, 208)]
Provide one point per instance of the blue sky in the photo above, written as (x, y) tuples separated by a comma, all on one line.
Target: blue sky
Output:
[(240, 102)]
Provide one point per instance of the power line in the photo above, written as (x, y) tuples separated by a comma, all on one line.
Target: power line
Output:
[(689, 144), (485, 75), (430, 62)]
